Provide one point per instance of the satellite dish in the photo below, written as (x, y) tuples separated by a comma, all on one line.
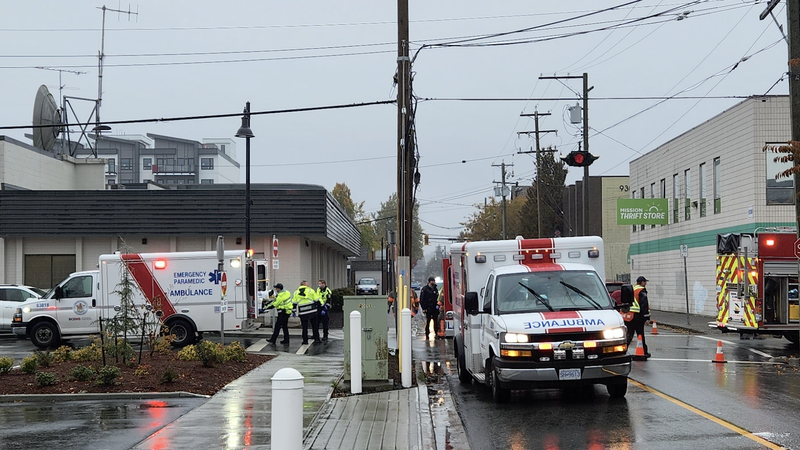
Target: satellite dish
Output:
[(47, 121)]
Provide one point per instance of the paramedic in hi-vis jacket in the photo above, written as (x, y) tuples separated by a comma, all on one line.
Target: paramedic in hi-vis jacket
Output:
[(305, 298), (283, 304), (641, 313), (323, 294)]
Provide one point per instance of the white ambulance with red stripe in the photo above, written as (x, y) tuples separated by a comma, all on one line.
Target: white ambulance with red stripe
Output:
[(532, 313), (184, 289)]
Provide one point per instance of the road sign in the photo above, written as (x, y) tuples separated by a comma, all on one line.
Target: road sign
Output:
[(274, 247), (224, 284), (684, 250), (275, 264), (797, 248)]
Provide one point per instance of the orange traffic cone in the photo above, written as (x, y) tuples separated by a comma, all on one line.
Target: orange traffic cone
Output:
[(639, 354), (719, 357), (655, 328)]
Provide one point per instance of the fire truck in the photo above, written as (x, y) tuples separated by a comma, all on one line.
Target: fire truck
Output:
[(532, 313), (757, 283)]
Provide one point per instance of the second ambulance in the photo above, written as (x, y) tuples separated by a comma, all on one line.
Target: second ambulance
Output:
[(534, 313)]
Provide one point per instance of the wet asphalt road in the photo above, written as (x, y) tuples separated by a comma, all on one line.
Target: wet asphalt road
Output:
[(678, 399)]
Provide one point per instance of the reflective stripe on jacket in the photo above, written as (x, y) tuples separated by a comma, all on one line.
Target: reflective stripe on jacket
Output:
[(283, 302), (635, 308)]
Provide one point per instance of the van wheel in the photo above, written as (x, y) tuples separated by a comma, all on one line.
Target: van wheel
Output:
[(499, 393), (45, 335), (183, 331), (617, 388), (461, 365)]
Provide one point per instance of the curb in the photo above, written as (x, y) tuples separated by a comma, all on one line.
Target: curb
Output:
[(97, 396)]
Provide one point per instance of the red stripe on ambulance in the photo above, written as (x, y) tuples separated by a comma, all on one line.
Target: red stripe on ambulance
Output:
[(147, 282)]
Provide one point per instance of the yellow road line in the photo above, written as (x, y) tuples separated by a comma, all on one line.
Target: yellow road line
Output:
[(708, 416)]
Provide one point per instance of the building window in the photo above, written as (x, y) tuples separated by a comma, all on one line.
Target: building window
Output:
[(111, 181), (147, 163), (634, 196), (663, 190), (717, 200), (703, 190), (112, 166), (687, 182), (190, 181), (206, 181), (125, 163), (641, 227), (779, 191), (652, 195), (206, 163), (222, 147), (676, 193), (127, 181)]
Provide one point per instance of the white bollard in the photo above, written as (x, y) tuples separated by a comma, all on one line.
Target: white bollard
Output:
[(287, 410), (405, 361), (355, 353)]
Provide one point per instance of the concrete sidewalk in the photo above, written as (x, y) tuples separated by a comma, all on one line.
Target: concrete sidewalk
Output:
[(691, 322)]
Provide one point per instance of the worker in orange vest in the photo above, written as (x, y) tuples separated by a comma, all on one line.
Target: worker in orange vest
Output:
[(641, 313)]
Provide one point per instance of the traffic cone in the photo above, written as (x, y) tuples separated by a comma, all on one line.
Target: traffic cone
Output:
[(719, 357), (639, 354), (655, 328)]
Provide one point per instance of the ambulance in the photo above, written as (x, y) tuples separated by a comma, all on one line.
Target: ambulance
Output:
[(535, 313), (185, 290), (757, 283)]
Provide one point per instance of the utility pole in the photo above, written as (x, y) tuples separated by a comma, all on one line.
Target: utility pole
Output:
[(586, 90), (503, 191), (536, 132)]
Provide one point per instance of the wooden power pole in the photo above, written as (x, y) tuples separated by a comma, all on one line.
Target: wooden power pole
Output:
[(536, 132)]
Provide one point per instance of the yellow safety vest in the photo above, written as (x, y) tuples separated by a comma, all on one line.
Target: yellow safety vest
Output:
[(635, 308), (283, 302), (323, 294), (303, 295)]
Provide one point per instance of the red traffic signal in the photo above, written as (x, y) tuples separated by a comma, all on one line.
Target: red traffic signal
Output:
[(579, 158)]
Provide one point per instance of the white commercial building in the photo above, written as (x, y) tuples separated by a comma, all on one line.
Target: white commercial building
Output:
[(718, 179)]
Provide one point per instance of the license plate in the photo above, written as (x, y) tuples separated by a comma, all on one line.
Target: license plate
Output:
[(569, 374)]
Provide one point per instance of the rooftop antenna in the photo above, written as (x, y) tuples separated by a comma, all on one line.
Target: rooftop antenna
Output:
[(97, 128), (47, 122), (63, 112)]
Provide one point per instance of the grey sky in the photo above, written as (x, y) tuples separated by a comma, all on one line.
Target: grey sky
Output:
[(203, 69)]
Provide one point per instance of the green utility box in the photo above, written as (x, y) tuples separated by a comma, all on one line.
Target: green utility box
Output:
[(374, 336)]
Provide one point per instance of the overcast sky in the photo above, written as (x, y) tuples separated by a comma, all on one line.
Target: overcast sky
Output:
[(200, 57)]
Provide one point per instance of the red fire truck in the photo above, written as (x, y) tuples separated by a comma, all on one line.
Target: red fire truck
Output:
[(757, 283)]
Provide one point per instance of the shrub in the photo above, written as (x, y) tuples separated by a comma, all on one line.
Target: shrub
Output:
[(6, 363), (45, 378), (337, 297), (107, 374), (188, 353), (235, 352), (29, 364), (121, 349), (62, 354), (81, 373), (209, 353), (168, 376), (163, 344), (89, 353), (43, 358), (142, 371)]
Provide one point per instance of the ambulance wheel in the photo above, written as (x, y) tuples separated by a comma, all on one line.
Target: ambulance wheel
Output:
[(45, 335), (617, 388), (183, 331), (499, 393), (463, 376)]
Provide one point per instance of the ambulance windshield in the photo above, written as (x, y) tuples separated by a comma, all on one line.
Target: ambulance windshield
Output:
[(550, 291)]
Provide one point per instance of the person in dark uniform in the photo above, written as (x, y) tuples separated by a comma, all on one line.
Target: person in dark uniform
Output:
[(641, 313), (428, 297)]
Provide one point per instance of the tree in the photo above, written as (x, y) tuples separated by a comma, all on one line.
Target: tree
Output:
[(552, 175), (487, 222), (355, 211), (386, 219)]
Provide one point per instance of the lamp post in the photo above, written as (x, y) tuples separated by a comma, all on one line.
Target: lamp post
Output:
[(247, 133)]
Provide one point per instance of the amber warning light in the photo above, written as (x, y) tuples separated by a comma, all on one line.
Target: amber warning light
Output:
[(160, 264), (770, 242)]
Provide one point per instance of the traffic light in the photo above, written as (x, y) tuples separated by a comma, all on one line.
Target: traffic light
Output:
[(426, 239), (579, 158)]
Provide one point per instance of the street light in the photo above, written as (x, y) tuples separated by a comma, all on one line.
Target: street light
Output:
[(247, 133)]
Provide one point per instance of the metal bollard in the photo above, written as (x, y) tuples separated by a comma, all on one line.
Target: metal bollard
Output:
[(355, 352), (405, 361), (287, 410)]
